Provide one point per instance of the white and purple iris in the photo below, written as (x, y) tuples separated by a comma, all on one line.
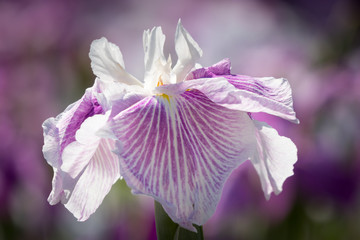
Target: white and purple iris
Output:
[(176, 136)]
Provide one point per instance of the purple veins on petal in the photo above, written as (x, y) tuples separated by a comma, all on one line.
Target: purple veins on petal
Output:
[(180, 150), (75, 115)]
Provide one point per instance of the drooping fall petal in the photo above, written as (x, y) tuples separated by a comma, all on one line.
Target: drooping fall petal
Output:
[(59, 132), (83, 163), (180, 150), (95, 182)]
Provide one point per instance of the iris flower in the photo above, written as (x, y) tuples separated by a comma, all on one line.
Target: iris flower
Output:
[(175, 136)]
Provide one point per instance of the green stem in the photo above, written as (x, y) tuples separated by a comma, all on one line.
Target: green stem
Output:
[(166, 229)]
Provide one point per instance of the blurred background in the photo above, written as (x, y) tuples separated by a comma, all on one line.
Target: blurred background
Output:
[(44, 66)]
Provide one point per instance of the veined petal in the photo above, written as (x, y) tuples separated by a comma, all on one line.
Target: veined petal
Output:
[(72, 118), (60, 131), (95, 182), (78, 153), (107, 62), (274, 158), (244, 93), (188, 52), (180, 150)]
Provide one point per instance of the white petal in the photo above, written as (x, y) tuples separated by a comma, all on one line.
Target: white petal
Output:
[(95, 182), (107, 62), (188, 52), (156, 67), (78, 153), (87, 132), (62, 186), (111, 92), (51, 148), (153, 42), (273, 159)]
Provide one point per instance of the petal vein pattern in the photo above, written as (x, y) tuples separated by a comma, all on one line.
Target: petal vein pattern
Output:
[(95, 182), (180, 150)]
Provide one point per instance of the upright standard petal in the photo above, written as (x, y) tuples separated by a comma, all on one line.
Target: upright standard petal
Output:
[(188, 52), (273, 159), (157, 68), (107, 63), (180, 150)]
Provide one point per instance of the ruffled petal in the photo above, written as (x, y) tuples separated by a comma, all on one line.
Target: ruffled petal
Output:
[(245, 93), (95, 182), (188, 52), (78, 153), (269, 95), (273, 159), (107, 63), (221, 68), (112, 94), (71, 119), (180, 150), (70, 142)]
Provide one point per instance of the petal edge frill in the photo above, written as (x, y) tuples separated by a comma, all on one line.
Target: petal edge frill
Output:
[(180, 150)]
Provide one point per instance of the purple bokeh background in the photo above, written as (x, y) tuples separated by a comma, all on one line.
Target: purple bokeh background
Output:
[(44, 66)]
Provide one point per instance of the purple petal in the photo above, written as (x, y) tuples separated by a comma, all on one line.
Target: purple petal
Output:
[(68, 147), (72, 118), (59, 132), (78, 153), (95, 182), (269, 95), (245, 93), (180, 150), (218, 69), (274, 158)]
